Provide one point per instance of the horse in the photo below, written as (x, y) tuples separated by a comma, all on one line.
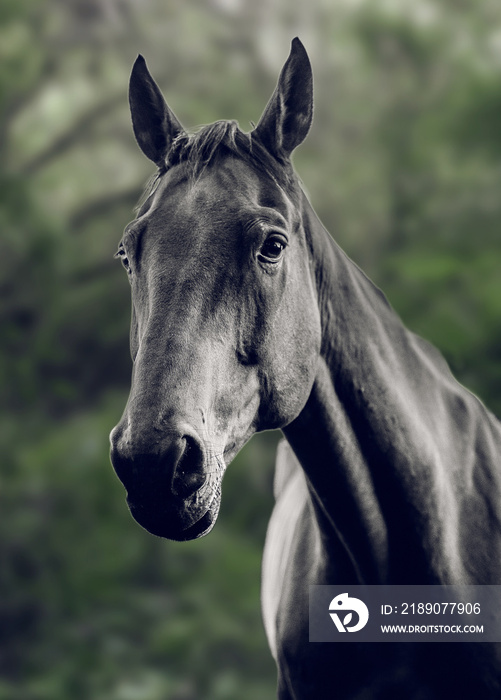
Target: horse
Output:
[(247, 316)]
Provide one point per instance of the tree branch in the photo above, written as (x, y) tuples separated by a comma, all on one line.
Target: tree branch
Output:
[(78, 129), (100, 206)]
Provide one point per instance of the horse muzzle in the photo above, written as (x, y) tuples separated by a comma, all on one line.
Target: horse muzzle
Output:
[(171, 491)]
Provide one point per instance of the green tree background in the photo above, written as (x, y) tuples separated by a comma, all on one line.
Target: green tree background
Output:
[(403, 165)]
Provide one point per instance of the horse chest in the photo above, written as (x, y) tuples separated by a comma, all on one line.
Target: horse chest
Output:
[(296, 556)]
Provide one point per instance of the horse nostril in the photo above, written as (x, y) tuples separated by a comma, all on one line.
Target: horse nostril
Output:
[(176, 465), (189, 473)]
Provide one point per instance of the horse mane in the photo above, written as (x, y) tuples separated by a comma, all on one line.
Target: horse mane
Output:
[(203, 147)]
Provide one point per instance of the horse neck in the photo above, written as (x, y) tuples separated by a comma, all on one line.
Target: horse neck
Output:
[(399, 457)]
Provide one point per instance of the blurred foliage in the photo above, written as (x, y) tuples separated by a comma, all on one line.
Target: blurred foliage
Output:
[(403, 166)]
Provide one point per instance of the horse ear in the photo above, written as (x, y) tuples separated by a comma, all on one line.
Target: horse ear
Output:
[(287, 117), (155, 124)]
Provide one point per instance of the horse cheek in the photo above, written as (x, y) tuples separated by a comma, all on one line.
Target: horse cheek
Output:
[(297, 339)]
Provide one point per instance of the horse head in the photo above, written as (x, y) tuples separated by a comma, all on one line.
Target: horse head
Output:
[(225, 330)]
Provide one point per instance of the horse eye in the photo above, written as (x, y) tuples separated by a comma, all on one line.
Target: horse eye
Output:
[(123, 258), (272, 249)]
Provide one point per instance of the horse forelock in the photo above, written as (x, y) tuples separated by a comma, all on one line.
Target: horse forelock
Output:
[(199, 149), (202, 147)]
